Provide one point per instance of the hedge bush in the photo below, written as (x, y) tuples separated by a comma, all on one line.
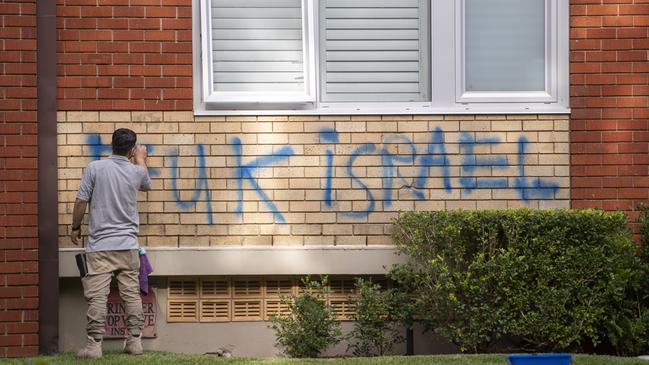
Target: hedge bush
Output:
[(379, 319), (311, 326), (526, 280)]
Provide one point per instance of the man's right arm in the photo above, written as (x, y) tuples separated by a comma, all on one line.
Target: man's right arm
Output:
[(77, 217), (84, 194)]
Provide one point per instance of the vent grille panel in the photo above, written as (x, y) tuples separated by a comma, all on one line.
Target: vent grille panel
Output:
[(215, 310), (276, 288), (342, 287), (215, 288), (182, 311), (344, 309), (275, 308), (247, 310), (183, 288), (244, 288)]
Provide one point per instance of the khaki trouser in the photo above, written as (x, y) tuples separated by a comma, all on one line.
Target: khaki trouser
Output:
[(96, 287)]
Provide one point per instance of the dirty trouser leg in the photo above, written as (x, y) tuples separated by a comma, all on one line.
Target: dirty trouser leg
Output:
[(129, 290), (96, 288)]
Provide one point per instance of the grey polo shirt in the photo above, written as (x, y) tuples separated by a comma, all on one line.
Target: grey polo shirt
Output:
[(111, 187)]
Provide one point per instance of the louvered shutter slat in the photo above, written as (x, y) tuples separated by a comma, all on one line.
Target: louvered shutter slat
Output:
[(380, 34), (374, 51), (373, 45), (261, 45), (252, 77), (362, 56), (373, 66), (372, 13), (259, 23), (253, 66), (372, 23), (375, 77), (254, 56), (259, 12), (259, 34), (351, 87)]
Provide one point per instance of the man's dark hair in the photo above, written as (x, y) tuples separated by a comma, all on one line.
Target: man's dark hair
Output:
[(123, 141)]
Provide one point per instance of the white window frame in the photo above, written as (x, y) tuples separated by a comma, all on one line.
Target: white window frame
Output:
[(446, 75), (549, 95), (210, 96)]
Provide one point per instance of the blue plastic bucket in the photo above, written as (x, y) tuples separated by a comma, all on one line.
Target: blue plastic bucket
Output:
[(540, 359)]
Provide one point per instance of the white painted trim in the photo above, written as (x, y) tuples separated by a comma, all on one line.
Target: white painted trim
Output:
[(442, 60), (321, 29), (197, 69), (309, 39), (332, 260), (563, 53), (206, 48), (235, 97), (400, 108), (425, 57)]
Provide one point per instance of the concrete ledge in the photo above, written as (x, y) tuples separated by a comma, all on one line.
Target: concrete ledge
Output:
[(336, 260)]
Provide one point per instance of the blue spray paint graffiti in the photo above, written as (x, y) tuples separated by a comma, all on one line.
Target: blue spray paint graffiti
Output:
[(472, 162), (331, 136), (97, 148), (361, 150), (245, 172), (538, 188), (390, 171), (201, 184), (435, 156)]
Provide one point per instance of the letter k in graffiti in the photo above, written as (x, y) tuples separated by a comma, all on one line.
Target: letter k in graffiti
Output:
[(246, 172)]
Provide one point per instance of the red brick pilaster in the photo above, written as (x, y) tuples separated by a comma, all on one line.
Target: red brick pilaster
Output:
[(18, 180), (609, 88)]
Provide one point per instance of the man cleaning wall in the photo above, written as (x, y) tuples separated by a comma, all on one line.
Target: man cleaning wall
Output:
[(111, 186)]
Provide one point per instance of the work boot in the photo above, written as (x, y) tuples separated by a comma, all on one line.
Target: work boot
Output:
[(92, 349), (133, 345)]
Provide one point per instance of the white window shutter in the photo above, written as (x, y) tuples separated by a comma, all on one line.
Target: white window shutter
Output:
[(374, 50), (257, 49)]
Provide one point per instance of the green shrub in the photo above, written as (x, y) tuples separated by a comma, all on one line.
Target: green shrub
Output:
[(643, 221), (628, 329), (311, 326), (379, 319), (531, 280)]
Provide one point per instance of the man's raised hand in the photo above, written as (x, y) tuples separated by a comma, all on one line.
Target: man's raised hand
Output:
[(140, 154)]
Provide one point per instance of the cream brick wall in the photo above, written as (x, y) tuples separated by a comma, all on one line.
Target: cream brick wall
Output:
[(305, 160)]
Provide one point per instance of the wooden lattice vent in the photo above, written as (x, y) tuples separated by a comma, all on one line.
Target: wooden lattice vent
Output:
[(226, 299)]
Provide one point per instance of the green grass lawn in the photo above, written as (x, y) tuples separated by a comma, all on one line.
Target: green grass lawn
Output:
[(174, 359)]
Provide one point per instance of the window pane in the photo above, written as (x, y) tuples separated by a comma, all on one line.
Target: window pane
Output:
[(374, 50), (505, 45), (257, 45)]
